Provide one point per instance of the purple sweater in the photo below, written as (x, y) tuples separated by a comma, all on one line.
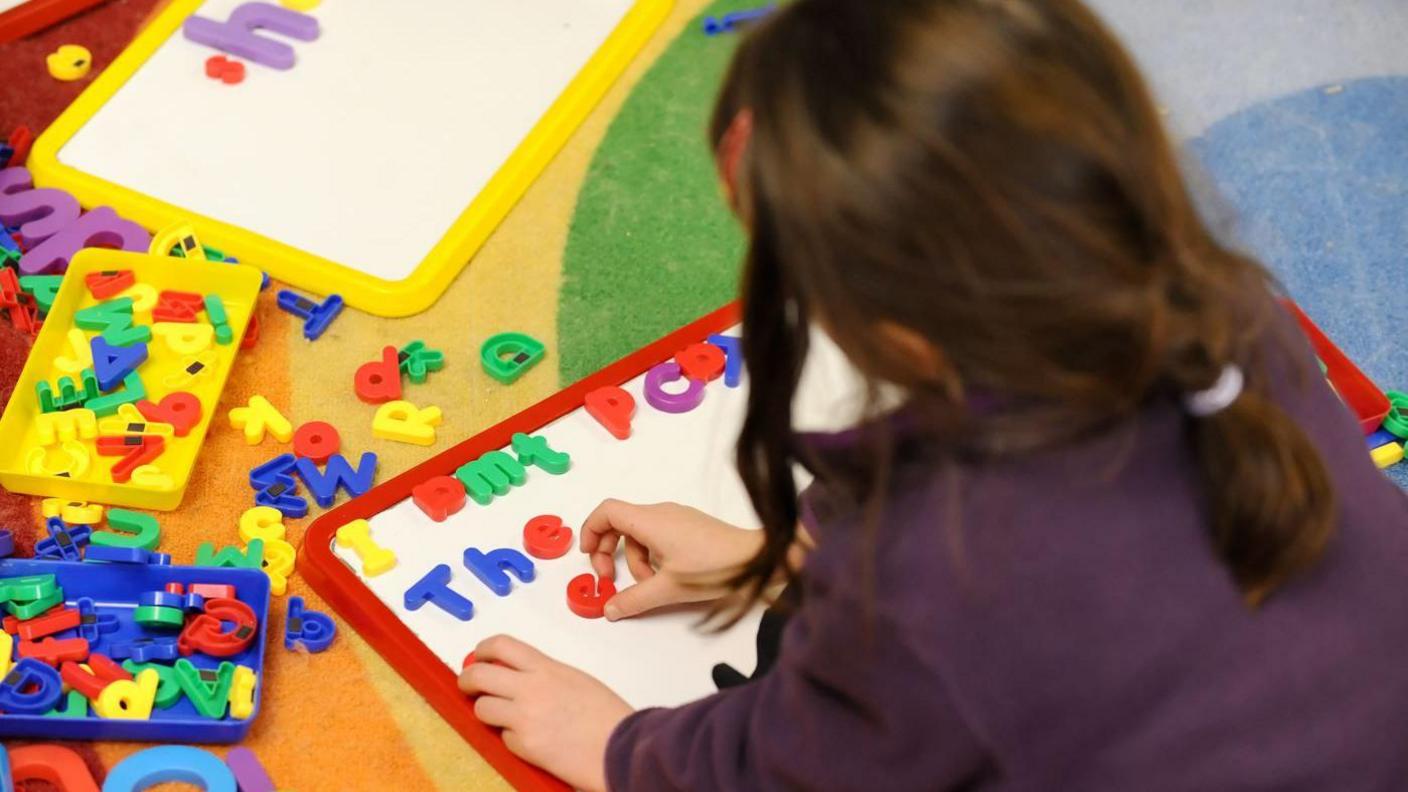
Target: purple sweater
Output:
[(1059, 622)]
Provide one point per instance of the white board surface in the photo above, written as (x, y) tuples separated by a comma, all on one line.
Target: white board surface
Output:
[(654, 660), (365, 152)]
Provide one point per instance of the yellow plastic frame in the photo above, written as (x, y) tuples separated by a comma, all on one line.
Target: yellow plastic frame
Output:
[(433, 275)]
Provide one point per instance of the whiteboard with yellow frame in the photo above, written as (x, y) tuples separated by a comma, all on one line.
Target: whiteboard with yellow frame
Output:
[(377, 165)]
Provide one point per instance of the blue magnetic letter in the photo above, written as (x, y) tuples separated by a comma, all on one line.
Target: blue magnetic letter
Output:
[(435, 587), (31, 688), (491, 567), (733, 357), (338, 473), (165, 763)]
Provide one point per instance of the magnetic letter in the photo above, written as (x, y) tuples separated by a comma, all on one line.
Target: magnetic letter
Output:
[(612, 407), (435, 588), (491, 474), (656, 395), (534, 450), (439, 497), (100, 227), (733, 351), (492, 567), (238, 35)]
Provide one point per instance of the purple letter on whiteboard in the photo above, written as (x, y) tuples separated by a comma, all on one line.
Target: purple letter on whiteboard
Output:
[(664, 401), (238, 36)]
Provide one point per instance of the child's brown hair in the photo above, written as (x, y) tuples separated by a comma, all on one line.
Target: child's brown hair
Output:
[(992, 177)]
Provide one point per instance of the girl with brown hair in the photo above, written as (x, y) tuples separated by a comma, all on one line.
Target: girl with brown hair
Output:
[(1118, 536)]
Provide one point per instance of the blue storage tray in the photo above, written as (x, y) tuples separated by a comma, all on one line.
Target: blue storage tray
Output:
[(114, 588)]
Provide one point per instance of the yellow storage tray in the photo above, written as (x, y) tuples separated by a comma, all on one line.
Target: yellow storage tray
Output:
[(56, 453)]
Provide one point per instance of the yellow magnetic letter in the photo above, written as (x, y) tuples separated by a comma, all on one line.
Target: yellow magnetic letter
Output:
[(69, 425), (185, 338), (128, 699), (176, 236), (258, 417), (143, 296), (357, 535), (151, 477), (262, 522), (404, 422), (73, 512), (82, 353), (73, 463), (279, 558), (242, 692), (130, 421)]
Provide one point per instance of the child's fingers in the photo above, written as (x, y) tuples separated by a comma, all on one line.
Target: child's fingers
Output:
[(608, 544), (604, 565), (638, 560), (487, 679), (597, 525), (610, 518), (604, 557), (513, 742), (651, 593), (509, 651), (494, 711)]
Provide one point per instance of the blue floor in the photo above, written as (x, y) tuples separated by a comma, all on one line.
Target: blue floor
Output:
[(1293, 115)]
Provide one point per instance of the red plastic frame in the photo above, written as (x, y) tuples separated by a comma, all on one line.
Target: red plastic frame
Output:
[(26, 18), (376, 623), (1358, 392)]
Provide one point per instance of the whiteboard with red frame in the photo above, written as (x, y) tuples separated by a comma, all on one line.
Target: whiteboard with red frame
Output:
[(661, 659)]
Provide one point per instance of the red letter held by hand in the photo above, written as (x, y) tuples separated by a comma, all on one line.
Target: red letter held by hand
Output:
[(546, 537), (587, 595), (612, 407), (439, 497)]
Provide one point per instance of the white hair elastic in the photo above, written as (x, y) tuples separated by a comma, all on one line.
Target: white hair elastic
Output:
[(1220, 396)]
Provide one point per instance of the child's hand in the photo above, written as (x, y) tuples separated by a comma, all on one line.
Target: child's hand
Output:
[(668, 547), (553, 715)]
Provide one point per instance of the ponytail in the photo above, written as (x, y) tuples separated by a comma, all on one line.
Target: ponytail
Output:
[(994, 179), (1271, 502)]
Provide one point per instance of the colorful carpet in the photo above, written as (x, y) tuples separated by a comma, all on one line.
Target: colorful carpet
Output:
[(559, 267), (623, 238)]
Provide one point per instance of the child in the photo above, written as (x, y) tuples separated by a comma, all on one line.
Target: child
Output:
[(1119, 536)]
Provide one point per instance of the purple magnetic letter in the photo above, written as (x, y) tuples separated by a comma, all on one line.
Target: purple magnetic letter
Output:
[(237, 35), (657, 397), (250, 775), (99, 228), (39, 213)]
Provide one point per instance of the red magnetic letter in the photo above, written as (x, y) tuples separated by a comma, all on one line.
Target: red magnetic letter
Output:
[(703, 362), (612, 407), (380, 380), (439, 497), (546, 537), (179, 408), (587, 595), (316, 440), (60, 767)]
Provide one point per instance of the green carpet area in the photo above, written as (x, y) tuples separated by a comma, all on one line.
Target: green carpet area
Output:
[(652, 245)]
